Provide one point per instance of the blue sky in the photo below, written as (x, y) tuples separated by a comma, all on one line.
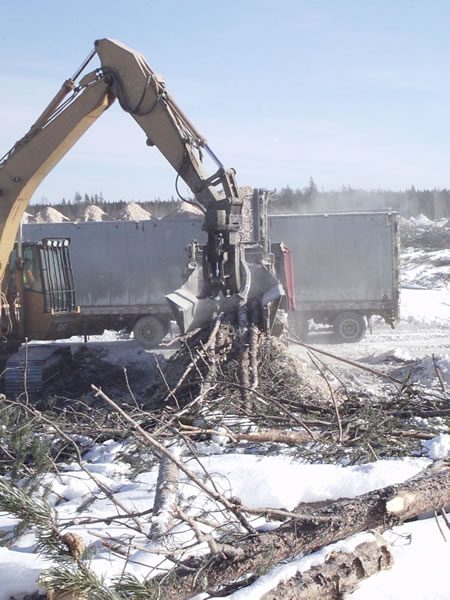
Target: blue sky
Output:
[(346, 91)]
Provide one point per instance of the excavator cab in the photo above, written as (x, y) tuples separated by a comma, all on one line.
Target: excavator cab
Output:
[(38, 303), (40, 293)]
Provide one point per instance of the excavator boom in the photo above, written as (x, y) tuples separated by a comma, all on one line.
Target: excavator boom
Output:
[(36, 154)]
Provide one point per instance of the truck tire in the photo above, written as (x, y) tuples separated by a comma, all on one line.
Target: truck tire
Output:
[(148, 331), (349, 327)]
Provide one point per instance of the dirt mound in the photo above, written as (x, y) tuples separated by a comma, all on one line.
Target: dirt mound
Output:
[(186, 210), (134, 212), (93, 213), (90, 364), (49, 215)]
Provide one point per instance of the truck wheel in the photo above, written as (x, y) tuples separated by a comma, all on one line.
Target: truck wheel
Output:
[(349, 327), (148, 331)]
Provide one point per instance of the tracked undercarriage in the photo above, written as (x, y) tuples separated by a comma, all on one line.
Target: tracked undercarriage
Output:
[(31, 367)]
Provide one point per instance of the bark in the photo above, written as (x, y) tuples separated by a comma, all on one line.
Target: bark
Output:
[(254, 332), (65, 596), (244, 354), (164, 505), (340, 574), (272, 435), (291, 438), (427, 492)]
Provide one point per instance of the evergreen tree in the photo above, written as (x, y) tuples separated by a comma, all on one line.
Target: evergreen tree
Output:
[(311, 191)]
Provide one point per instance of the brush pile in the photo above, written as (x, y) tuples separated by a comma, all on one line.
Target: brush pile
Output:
[(237, 377), (238, 385)]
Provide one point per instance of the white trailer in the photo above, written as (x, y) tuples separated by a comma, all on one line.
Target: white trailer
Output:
[(123, 269), (345, 268)]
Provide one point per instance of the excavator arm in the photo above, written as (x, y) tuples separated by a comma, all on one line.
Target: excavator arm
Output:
[(124, 74), (143, 94), (35, 155)]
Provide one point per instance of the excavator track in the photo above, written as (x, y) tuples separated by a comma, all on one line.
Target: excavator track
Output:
[(32, 367)]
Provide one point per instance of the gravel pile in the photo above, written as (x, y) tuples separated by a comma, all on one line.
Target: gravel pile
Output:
[(184, 210)]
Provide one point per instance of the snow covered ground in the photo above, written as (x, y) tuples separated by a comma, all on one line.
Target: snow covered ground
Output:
[(420, 552), (259, 482)]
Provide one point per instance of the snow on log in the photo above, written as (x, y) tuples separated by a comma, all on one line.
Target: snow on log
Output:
[(291, 438)]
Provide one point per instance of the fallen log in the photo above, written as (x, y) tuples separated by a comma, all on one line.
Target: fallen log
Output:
[(372, 511), (339, 574), (292, 438), (164, 504)]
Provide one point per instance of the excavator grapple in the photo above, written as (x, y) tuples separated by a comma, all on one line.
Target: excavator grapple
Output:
[(260, 276)]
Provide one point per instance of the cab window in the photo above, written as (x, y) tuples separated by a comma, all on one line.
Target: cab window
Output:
[(31, 271)]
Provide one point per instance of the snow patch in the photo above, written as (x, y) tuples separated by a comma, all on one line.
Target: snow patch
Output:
[(423, 221), (279, 482), (19, 572), (426, 307), (439, 447), (420, 570)]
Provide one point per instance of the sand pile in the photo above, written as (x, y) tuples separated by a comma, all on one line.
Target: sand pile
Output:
[(184, 210), (49, 215), (27, 218), (134, 212), (93, 213)]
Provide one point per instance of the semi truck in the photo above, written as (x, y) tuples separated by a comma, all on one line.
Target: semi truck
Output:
[(345, 268)]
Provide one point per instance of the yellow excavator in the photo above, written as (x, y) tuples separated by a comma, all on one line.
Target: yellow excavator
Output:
[(223, 271)]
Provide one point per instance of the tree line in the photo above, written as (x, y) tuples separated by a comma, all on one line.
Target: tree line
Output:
[(410, 202), (434, 204)]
